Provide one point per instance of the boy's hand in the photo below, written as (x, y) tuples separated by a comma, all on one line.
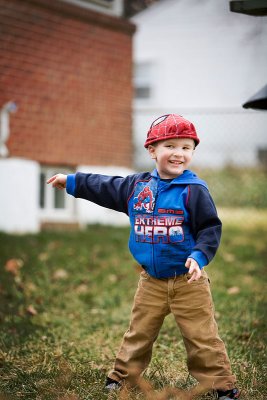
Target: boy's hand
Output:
[(58, 181), (194, 269)]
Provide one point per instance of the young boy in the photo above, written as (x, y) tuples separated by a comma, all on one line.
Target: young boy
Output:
[(175, 233)]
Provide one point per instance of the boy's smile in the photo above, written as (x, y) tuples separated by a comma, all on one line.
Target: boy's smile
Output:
[(172, 156)]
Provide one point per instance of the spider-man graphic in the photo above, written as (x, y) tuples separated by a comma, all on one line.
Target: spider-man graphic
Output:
[(145, 199)]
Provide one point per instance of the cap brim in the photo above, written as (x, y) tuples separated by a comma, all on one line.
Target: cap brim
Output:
[(151, 141)]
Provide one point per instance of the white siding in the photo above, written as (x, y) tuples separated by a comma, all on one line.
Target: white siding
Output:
[(207, 62), (19, 195)]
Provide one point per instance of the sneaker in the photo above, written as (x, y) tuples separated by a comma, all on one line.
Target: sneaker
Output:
[(228, 394), (111, 384)]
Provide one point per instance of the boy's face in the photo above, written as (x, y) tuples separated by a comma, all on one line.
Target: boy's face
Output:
[(172, 156)]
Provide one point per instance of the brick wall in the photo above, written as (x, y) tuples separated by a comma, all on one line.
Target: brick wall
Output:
[(69, 72)]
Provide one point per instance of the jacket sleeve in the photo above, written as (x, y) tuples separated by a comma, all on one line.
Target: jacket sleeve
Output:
[(107, 191), (206, 225)]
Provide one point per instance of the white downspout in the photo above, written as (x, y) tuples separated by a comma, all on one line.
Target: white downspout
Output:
[(7, 108)]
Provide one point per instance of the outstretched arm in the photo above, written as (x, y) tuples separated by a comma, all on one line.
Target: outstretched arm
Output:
[(58, 181), (106, 191)]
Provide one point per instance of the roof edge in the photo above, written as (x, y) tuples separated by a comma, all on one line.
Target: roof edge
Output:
[(257, 8)]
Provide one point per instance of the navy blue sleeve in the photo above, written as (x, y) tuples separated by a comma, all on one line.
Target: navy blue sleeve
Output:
[(107, 191), (206, 225)]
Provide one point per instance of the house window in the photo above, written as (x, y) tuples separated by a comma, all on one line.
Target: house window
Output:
[(106, 3), (54, 204), (42, 190), (113, 7), (143, 81)]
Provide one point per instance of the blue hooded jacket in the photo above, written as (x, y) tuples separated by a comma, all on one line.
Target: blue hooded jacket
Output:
[(170, 221)]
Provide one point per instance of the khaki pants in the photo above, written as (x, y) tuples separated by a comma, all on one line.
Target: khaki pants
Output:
[(192, 307)]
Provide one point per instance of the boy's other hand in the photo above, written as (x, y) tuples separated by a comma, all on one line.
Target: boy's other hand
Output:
[(58, 181), (194, 269)]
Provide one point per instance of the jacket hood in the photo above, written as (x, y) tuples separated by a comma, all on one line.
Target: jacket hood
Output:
[(187, 178)]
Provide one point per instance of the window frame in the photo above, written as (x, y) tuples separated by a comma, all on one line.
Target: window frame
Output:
[(49, 213), (113, 7), (145, 81), (104, 3)]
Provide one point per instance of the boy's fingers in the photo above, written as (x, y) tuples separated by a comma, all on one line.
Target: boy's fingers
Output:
[(60, 186), (188, 262), (191, 279), (51, 179), (56, 182), (191, 269), (194, 271), (195, 276)]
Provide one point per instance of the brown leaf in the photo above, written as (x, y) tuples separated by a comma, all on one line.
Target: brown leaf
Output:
[(233, 290), (54, 245), (113, 278), (217, 314), (229, 257), (43, 256), (60, 274), (31, 310), (13, 265), (82, 288), (31, 287), (58, 352)]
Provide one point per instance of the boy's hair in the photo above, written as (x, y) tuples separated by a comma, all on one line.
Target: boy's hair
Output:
[(171, 126)]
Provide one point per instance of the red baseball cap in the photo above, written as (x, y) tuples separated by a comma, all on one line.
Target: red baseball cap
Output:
[(171, 126)]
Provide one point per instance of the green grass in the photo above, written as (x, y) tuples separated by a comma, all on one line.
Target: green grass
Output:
[(64, 311)]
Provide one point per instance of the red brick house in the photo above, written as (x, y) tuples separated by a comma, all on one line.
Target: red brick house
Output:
[(67, 66)]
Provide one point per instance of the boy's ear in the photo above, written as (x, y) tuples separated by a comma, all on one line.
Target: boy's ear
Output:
[(152, 151)]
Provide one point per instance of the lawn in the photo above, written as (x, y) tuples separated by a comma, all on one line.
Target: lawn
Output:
[(65, 299)]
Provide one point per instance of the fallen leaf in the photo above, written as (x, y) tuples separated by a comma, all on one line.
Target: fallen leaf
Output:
[(217, 314), (229, 257), (60, 274), (245, 336), (54, 245), (13, 265), (18, 281), (31, 287), (96, 311), (39, 300), (43, 256), (113, 278), (58, 352), (31, 310), (82, 289), (233, 290)]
